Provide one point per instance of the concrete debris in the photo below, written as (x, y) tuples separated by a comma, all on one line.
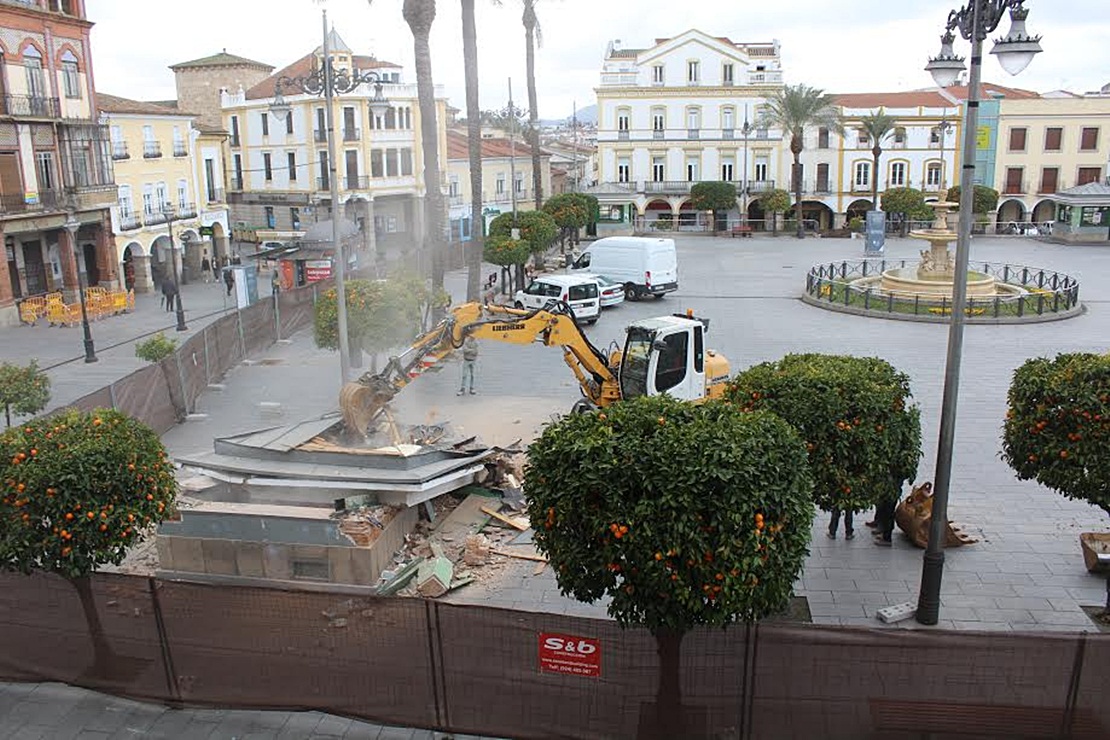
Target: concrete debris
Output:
[(362, 526), (476, 551)]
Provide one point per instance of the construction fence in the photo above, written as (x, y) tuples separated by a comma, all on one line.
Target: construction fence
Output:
[(161, 394), (506, 673)]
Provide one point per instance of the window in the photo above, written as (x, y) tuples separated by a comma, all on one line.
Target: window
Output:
[(210, 180), (1013, 180), (391, 118), (376, 165), (453, 187), (932, 174), (693, 118), (1088, 174), (760, 170), (823, 138), (148, 199), (519, 184), (391, 168), (291, 163), (823, 178), (267, 167), (658, 169), (295, 218), (692, 167), (124, 200), (657, 77), (1053, 139), (182, 195), (406, 162), (161, 201), (899, 137), (271, 220), (658, 121), (671, 367), (235, 130), (1017, 139), (237, 162), (289, 123), (71, 78), (32, 63), (728, 118), (322, 159), (265, 123), (728, 74), (623, 119), (692, 72), (863, 174), (624, 170), (897, 174), (500, 183), (44, 162), (1049, 179), (1088, 139), (179, 148), (934, 136), (727, 169), (862, 137)]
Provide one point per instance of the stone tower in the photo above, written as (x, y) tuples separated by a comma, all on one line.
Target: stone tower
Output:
[(199, 82)]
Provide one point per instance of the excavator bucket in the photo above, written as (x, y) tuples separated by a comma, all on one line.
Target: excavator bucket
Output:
[(914, 515), (361, 403)]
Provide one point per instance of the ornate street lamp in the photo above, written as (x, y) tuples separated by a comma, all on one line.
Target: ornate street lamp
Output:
[(72, 225), (325, 79), (746, 130), (167, 211), (974, 21)]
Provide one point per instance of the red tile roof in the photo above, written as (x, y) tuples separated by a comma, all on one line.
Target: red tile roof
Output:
[(458, 147), (303, 66), (927, 98), (114, 104)]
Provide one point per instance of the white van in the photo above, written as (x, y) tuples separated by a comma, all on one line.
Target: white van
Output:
[(579, 292), (645, 266)]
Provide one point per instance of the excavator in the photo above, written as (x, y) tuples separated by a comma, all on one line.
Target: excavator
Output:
[(660, 355)]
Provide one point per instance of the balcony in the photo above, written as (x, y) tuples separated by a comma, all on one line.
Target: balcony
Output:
[(728, 133), (119, 150), (30, 106), (454, 200), (760, 186), (773, 77), (323, 183), (216, 195), (129, 221), (861, 187), (186, 210), (1048, 188), (180, 150), (502, 197), (614, 187), (622, 134), (153, 218), (320, 136), (1015, 188), (356, 182), (693, 133), (152, 150), (352, 134), (48, 200), (658, 133), (667, 186)]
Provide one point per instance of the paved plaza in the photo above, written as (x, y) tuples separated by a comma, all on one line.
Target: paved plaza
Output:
[(1025, 574)]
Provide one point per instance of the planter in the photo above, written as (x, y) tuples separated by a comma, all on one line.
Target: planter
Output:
[(1095, 544)]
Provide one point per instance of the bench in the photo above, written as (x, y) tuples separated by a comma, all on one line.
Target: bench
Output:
[(742, 230)]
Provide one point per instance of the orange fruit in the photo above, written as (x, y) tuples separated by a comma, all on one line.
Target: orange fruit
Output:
[(69, 516)]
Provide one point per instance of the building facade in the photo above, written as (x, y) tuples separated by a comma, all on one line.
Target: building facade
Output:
[(55, 163), (170, 192), (279, 175), (502, 161), (199, 83)]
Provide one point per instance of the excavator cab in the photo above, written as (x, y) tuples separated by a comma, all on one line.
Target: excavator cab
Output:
[(666, 355)]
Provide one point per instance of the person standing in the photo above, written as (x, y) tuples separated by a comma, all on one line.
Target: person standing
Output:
[(229, 279), (884, 518), (206, 268), (216, 268), (834, 522), (470, 358), (169, 293)]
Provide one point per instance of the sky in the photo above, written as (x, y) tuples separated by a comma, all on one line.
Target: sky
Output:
[(876, 46)]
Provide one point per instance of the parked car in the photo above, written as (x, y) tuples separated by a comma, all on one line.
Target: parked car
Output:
[(581, 293), (612, 292)]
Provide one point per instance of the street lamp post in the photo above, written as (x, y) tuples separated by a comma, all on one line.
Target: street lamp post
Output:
[(72, 225), (326, 80), (746, 130), (942, 131), (167, 211), (974, 21)]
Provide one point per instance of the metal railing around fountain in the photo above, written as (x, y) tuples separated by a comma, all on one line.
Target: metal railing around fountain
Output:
[(1044, 294)]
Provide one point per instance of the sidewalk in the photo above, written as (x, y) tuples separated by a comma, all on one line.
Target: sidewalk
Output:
[(51, 711)]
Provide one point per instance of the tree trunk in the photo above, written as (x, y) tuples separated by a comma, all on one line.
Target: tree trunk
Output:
[(8, 415), (875, 181), (798, 194), (102, 651), (533, 105), (474, 145), (419, 15), (668, 696)]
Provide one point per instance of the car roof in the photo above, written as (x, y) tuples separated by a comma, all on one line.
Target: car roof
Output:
[(566, 280)]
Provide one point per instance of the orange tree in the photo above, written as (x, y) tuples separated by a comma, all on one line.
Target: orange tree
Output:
[(682, 514), (79, 489), (571, 213), (854, 413)]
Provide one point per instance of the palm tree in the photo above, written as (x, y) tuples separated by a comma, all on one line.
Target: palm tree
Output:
[(533, 37), (474, 149), (419, 15), (792, 109), (878, 126)]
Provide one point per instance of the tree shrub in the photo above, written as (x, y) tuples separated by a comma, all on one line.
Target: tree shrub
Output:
[(774, 202), (537, 229), (569, 211), (24, 390), (381, 314), (155, 349), (983, 199), (719, 197), (855, 415), (1057, 427)]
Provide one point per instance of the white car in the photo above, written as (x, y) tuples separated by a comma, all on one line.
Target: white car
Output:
[(612, 292), (581, 293)]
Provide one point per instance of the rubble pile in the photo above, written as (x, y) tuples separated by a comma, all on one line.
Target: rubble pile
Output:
[(363, 526)]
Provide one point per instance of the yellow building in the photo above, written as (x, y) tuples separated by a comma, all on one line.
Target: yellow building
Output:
[(170, 192), (502, 160), (278, 166), (1046, 145)]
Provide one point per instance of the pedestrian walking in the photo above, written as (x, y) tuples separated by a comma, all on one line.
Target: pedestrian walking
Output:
[(229, 279), (169, 293), (206, 268), (470, 357), (834, 523), (216, 268)]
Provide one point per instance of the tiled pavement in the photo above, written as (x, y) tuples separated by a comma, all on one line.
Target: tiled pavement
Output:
[(1026, 573)]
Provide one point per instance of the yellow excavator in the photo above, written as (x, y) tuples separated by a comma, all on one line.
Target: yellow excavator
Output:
[(660, 355)]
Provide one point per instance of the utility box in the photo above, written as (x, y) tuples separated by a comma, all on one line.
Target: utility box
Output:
[(246, 284), (875, 232)]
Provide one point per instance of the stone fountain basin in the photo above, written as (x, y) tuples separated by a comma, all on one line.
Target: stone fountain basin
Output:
[(907, 280)]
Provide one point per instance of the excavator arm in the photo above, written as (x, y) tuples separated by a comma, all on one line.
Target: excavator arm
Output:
[(362, 401)]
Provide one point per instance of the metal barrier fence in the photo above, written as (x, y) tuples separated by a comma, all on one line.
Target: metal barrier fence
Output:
[(160, 395), (1045, 294), (481, 670)]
